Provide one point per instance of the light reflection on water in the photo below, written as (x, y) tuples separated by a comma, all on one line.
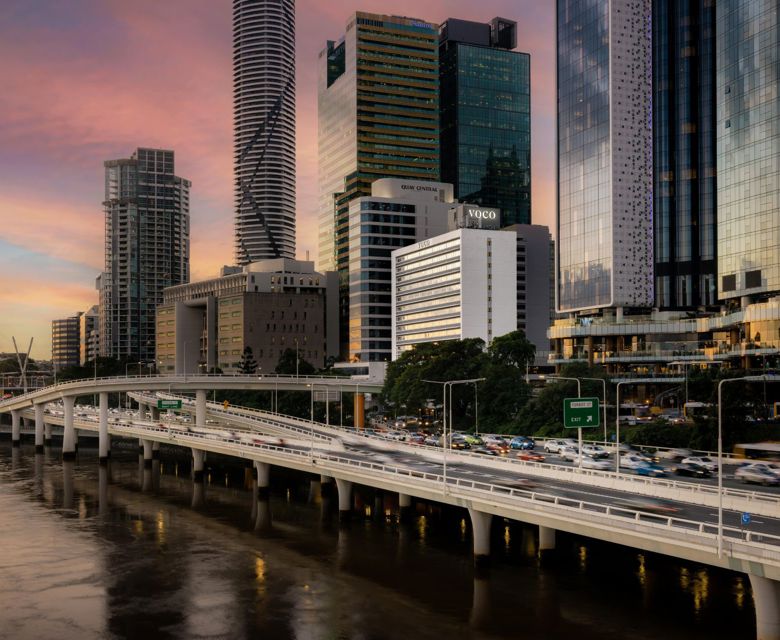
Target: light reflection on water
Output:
[(96, 553)]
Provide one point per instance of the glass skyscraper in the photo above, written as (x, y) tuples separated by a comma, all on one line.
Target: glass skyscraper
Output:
[(605, 228), (147, 218), (684, 153), (486, 116), (748, 145)]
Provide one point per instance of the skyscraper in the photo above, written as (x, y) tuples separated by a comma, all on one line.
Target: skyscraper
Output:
[(486, 116), (147, 248), (264, 128), (378, 117), (684, 153), (65, 342), (748, 144), (605, 241)]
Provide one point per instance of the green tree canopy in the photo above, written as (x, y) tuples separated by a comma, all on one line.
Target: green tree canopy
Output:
[(286, 364), (247, 364)]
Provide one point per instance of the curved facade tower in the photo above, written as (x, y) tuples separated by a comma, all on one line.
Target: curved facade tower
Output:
[(264, 128)]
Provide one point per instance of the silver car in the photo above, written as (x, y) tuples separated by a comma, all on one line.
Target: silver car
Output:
[(758, 474)]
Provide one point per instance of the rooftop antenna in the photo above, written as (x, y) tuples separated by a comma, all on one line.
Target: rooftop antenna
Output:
[(23, 367)]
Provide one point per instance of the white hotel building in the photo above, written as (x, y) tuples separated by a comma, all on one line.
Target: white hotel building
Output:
[(461, 284)]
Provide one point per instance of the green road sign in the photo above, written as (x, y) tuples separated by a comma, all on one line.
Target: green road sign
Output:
[(580, 412), (169, 404)]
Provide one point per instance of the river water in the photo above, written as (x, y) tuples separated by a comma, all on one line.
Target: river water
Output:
[(130, 552)]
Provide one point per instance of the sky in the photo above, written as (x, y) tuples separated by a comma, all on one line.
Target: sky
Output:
[(85, 81)]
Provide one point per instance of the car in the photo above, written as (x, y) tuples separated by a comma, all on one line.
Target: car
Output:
[(399, 436), (554, 446), (594, 451), (704, 461), (758, 474), (500, 446), (474, 441), (589, 462), (651, 469), (485, 451), (432, 441), (692, 470), (569, 453), (632, 461), (522, 442), (646, 503), (417, 438), (530, 456)]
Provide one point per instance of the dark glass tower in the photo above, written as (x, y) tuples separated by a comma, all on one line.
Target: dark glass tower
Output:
[(486, 116), (684, 153)]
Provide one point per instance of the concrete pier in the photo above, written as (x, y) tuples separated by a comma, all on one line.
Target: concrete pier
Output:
[(345, 499), (39, 427), (197, 465), (480, 526), (16, 417), (69, 432), (766, 597), (104, 441)]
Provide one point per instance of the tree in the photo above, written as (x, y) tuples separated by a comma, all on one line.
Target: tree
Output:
[(287, 364), (247, 364), (512, 349)]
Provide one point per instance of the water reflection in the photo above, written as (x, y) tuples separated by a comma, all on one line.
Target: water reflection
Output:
[(152, 565)]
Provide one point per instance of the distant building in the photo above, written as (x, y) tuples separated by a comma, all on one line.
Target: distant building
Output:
[(89, 340), (377, 115), (268, 306), (65, 339), (147, 248), (535, 284), (264, 129), (485, 98), (460, 284)]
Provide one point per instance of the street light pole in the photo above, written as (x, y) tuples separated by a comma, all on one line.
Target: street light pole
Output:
[(296, 357), (617, 428), (476, 411), (604, 388)]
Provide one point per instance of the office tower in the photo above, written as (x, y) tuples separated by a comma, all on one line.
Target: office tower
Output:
[(684, 153), (147, 248), (460, 284), (485, 97), (65, 342), (605, 228), (88, 336), (378, 117), (264, 128), (269, 306), (748, 147), (396, 214)]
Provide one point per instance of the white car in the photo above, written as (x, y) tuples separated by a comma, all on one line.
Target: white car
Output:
[(589, 462), (758, 473), (554, 446), (569, 453), (595, 451), (702, 461), (632, 461)]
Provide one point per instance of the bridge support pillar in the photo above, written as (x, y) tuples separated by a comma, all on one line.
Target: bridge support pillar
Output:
[(480, 526), (360, 411), (104, 441), (326, 486), (263, 472), (39, 427), (766, 597), (69, 432), (16, 436), (148, 447), (46, 434), (142, 411), (404, 507), (155, 450), (345, 499), (155, 413), (200, 408), (197, 465), (546, 540)]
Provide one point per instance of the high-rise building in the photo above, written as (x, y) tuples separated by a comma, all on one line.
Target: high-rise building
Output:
[(65, 342), (147, 248), (748, 147), (88, 336), (485, 97), (684, 154), (264, 128), (378, 117), (605, 224)]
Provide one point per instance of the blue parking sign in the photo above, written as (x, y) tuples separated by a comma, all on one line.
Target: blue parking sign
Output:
[(745, 518)]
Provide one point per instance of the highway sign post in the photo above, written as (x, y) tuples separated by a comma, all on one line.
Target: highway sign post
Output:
[(169, 404), (579, 413)]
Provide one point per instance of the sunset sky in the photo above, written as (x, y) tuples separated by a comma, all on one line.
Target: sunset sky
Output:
[(84, 81)]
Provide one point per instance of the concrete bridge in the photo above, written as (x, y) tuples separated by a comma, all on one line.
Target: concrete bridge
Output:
[(319, 449)]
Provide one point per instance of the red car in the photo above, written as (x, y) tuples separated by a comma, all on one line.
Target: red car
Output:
[(530, 456)]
